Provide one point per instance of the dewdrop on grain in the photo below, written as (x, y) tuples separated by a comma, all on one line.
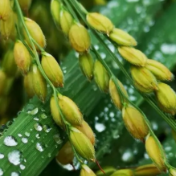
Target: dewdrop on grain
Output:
[(166, 98), (115, 95), (35, 32), (22, 57), (86, 129), (133, 56), (65, 155), (82, 144), (55, 112), (122, 38), (70, 110), (155, 152), (39, 83), (66, 21), (86, 63), (79, 38), (52, 69), (160, 71), (100, 22), (146, 170), (101, 76), (134, 122), (86, 171), (144, 78)]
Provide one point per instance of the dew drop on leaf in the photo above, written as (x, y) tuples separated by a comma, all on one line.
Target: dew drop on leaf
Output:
[(49, 155), (38, 127), (19, 135), (14, 174), (10, 141), (36, 118), (1, 156), (1, 172), (100, 127), (57, 139), (27, 134), (43, 116), (33, 112), (127, 156), (22, 167), (24, 140), (37, 136), (14, 157), (39, 147), (46, 128)]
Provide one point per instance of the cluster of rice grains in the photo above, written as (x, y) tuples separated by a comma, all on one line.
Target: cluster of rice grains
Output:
[(27, 50), (147, 75), (8, 69)]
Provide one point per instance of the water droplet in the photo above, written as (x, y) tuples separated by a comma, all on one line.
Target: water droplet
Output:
[(116, 134), (27, 134), (43, 116), (67, 167), (100, 127), (46, 128), (36, 118), (24, 140), (33, 112), (111, 114), (57, 139), (1, 172), (127, 156), (14, 157), (132, 0), (38, 127), (39, 147), (22, 167), (20, 135), (168, 48), (96, 47), (10, 141), (37, 136), (168, 148), (154, 125), (146, 156), (106, 109), (14, 174), (1, 156), (49, 155)]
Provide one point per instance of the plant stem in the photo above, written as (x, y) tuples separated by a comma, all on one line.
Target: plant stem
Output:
[(122, 96), (169, 120), (55, 91)]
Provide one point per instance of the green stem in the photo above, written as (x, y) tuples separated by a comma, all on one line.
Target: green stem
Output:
[(71, 10), (122, 96), (55, 91), (170, 121)]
